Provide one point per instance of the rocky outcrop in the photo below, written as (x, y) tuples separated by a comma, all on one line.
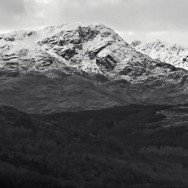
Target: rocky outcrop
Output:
[(175, 55), (94, 49), (74, 67)]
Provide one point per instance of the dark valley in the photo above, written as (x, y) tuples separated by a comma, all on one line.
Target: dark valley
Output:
[(132, 146)]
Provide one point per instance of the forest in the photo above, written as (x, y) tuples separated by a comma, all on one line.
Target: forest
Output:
[(119, 147)]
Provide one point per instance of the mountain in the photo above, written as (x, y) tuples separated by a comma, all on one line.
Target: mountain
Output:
[(80, 107), (82, 67), (173, 54), (94, 49)]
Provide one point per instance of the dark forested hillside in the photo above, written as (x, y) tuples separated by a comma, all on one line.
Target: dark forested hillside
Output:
[(133, 146)]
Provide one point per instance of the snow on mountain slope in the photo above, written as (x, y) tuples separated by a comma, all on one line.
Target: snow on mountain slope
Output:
[(77, 67), (94, 49), (175, 55)]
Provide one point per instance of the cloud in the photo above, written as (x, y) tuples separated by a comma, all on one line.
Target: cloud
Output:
[(12, 7), (144, 18), (10, 12)]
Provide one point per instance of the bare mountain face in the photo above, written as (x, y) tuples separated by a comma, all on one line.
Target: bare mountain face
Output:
[(175, 55), (82, 67)]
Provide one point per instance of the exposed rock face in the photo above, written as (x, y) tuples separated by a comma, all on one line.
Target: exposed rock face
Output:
[(136, 43), (94, 49), (58, 62), (175, 55)]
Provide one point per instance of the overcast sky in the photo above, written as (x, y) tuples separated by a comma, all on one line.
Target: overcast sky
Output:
[(145, 20)]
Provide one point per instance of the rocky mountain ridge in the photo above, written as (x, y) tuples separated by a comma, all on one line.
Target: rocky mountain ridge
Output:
[(79, 67), (94, 49), (173, 54)]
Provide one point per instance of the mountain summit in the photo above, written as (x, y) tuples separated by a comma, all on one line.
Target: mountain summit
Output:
[(78, 67), (173, 54), (93, 49)]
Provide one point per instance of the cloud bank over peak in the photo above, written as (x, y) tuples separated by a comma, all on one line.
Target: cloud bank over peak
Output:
[(142, 19)]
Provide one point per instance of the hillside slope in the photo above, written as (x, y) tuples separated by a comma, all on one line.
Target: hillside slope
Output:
[(134, 146), (76, 67)]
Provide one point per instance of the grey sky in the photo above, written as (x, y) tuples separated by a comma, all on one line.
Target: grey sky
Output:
[(146, 20)]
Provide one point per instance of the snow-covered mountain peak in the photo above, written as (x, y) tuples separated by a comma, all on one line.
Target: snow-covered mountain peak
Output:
[(93, 49), (75, 66), (173, 54)]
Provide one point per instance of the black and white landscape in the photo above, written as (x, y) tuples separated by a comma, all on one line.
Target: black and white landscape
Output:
[(81, 107)]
